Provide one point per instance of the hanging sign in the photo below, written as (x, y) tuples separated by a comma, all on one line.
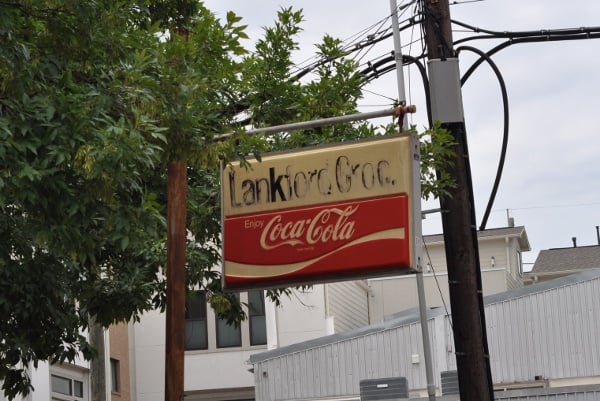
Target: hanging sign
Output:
[(330, 213)]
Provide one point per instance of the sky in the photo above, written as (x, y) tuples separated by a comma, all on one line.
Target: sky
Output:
[(550, 183)]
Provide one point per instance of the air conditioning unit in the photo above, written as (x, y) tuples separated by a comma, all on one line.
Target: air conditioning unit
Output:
[(450, 382), (390, 388)]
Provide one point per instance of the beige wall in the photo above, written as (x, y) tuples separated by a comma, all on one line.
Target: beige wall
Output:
[(499, 266), (119, 350), (347, 304), (393, 295)]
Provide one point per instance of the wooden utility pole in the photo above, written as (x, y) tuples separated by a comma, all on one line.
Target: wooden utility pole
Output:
[(458, 212), (176, 241)]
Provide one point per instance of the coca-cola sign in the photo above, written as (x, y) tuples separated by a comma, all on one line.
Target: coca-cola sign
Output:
[(326, 214), (328, 225)]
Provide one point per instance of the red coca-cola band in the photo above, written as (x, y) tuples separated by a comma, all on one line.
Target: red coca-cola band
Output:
[(318, 243)]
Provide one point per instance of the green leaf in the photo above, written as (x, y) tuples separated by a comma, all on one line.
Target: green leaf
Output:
[(124, 242)]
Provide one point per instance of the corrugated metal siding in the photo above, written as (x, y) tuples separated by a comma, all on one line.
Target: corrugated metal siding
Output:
[(551, 333), (348, 303), (337, 369)]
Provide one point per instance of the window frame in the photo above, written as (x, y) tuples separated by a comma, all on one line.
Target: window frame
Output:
[(244, 340), (78, 379)]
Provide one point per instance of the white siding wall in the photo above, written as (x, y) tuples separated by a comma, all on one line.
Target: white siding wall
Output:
[(302, 317), (348, 304), (498, 258), (434, 258), (393, 295), (496, 249), (336, 369), (550, 333)]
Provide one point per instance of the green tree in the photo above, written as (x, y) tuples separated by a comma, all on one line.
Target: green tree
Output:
[(96, 98), (76, 219)]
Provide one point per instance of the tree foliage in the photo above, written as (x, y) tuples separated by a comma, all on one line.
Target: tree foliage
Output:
[(96, 98), (437, 157)]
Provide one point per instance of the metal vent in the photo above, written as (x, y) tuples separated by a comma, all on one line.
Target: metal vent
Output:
[(450, 382), (390, 388)]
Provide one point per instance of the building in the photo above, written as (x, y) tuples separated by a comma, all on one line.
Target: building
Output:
[(501, 263), (559, 262), (59, 382), (216, 354), (216, 366), (542, 340), (325, 309)]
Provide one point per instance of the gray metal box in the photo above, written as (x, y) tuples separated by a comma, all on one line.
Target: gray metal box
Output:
[(390, 388)]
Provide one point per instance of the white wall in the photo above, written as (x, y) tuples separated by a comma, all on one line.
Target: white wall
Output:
[(347, 305), (301, 317), (149, 350), (40, 379), (395, 294)]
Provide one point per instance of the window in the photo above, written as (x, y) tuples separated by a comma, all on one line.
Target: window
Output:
[(205, 330), (65, 386), (256, 313), (195, 321), (228, 335), (114, 375)]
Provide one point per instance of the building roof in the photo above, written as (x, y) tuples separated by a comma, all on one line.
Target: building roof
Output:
[(411, 316), (567, 259), (491, 233)]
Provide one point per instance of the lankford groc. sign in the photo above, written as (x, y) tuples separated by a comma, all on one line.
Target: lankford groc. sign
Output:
[(321, 214)]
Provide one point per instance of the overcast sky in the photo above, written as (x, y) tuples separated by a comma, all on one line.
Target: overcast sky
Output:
[(550, 183)]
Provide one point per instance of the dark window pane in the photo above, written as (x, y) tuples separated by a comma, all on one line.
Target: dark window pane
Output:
[(256, 303), (258, 330), (61, 385), (228, 335), (114, 375), (78, 388), (256, 311), (195, 305), (196, 336)]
